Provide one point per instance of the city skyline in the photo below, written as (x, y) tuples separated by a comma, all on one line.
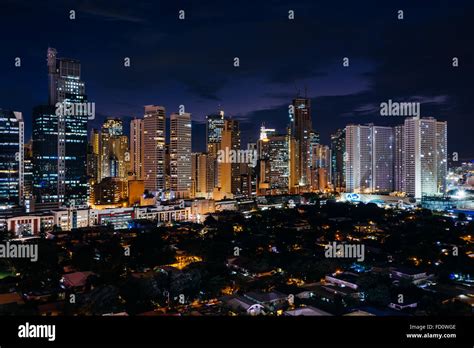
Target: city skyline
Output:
[(339, 95), (69, 168), (224, 159)]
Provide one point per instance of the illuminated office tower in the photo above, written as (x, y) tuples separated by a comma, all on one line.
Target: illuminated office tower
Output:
[(278, 163), (180, 154), (66, 86), (28, 174), (214, 127), (95, 141), (320, 167), (60, 139), (114, 157), (136, 148), (229, 172), (11, 159), (301, 130), (248, 170), (263, 170), (45, 157), (93, 151), (370, 158), (294, 160), (202, 182), (313, 145), (425, 156), (338, 164), (154, 142)]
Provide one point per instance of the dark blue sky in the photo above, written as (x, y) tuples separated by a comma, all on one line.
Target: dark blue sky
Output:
[(190, 61)]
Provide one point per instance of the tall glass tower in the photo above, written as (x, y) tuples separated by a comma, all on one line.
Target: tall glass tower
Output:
[(11, 159), (68, 134)]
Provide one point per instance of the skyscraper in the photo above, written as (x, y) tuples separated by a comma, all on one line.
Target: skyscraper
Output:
[(93, 151), (359, 158), (200, 168), (214, 127), (383, 147), (136, 148), (294, 160), (229, 172), (398, 159), (45, 157), (370, 153), (441, 155), (180, 154), (65, 86), (28, 174), (338, 164), (154, 141), (65, 134), (11, 159), (425, 151), (301, 130), (320, 167), (278, 163), (114, 157)]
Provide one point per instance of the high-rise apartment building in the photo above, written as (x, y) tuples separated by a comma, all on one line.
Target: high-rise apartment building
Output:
[(136, 148), (370, 153), (229, 172), (93, 151), (114, 157), (154, 142), (202, 181), (180, 154), (383, 147), (441, 155), (425, 152), (302, 128), (398, 159), (338, 164), (320, 167)]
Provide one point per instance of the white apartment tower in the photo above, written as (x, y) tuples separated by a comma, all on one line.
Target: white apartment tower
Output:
[(369, 158), (425, 156)]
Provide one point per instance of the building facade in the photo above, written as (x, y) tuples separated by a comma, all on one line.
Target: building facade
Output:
[(154, 143), (180, 154), (12, 184)]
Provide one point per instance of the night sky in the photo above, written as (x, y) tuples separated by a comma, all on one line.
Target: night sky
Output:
[(190, 61)]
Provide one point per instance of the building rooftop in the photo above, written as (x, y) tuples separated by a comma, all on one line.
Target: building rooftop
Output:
[(306, 311), (76, 279), (263, 297)]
